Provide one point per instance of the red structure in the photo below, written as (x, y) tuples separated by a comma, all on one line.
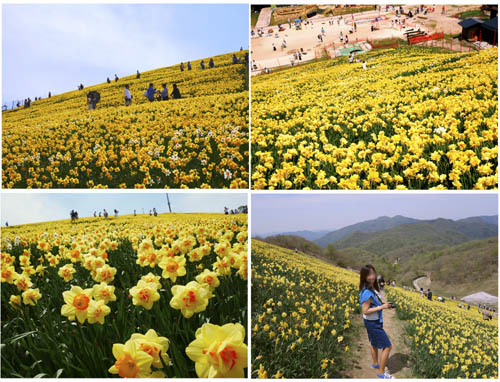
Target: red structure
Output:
[(427, 37)]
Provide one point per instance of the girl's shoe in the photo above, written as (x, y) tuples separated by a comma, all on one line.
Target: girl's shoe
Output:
[(386, 375), (375, 366)]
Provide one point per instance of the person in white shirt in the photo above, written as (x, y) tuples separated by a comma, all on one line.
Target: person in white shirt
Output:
[(364, 65), (128, 96)]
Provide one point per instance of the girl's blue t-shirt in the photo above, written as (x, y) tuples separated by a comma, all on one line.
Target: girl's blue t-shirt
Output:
[(365, 295)]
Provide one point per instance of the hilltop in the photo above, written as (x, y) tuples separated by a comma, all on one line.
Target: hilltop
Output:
[(374, 225), (198, 141)]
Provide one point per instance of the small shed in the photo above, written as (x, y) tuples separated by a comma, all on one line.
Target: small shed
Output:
[(471, 29), (489, 31)]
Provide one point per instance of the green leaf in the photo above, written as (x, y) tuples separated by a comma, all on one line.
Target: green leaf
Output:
[(19, 336)]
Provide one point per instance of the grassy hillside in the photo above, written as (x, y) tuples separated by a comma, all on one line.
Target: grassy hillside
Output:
[(198, 141), (408, 240), (379, 224), (416, 118), (294, 242), (458, 270)]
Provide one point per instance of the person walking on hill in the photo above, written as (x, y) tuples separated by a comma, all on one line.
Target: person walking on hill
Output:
[(128, 96), (202, 64), (50, 94), (138, 74), (116, 213), (164, 92), (176, 94), (108, 80), (182, 66), (189, 65), (105, 214), (211, 63), (429, 295), (371, 307), (92, 98), (150, 93), (116, 78)]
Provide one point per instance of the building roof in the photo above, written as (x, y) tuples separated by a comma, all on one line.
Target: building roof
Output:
[(491, 24), (470, 22)]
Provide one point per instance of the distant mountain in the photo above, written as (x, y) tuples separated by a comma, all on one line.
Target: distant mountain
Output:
[(308, 235), (493, 219), (378, 224), (407, 240)]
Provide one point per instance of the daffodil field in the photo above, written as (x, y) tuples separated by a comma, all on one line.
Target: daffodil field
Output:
[(198, 141), (446, 341), (416, 118), (137, 296), (301, 314), (303, 311)]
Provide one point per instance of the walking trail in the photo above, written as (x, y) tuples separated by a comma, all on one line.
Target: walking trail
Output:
[(398, 363), (422, 282), (264, 18)]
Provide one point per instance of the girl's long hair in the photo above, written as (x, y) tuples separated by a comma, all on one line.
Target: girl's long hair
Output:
[(363, 274)]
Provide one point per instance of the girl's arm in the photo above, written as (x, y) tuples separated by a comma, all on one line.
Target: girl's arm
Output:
[(367, 310)]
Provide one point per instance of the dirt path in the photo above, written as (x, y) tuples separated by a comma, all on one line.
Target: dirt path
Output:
[(398, 363), (421, 282)]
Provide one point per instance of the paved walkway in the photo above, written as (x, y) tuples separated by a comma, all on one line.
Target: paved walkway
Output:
[(264, 18)]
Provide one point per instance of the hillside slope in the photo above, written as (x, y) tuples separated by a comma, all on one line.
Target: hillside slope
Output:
[(415, 118), (309, 297), (457, 270), (408, 240), (200, 140)]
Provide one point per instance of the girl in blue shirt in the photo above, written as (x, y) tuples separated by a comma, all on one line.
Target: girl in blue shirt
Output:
[(371, 307)]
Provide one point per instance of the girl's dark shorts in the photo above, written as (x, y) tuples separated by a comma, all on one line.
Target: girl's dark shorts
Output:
[(376, 334)]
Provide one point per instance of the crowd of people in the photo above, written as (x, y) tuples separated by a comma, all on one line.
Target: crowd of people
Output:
[(243, 210), (104, 213), (93, 97), (345, 37)]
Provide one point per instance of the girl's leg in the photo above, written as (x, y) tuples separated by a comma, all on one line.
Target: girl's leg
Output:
[(383, 359), (374, 355)]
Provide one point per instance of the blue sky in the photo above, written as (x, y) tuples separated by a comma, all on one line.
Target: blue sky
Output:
[(55, 47), (294, 212), (22, 208)]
